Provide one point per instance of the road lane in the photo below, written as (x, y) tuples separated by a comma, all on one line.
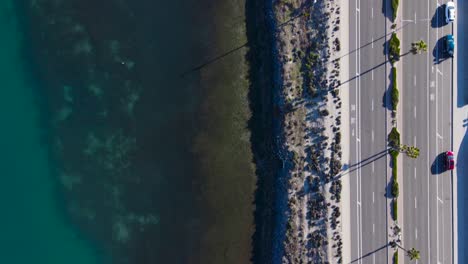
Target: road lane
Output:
[(430, 185), (368, 133)]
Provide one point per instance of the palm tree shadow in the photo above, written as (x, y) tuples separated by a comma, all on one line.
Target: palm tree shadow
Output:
[(370, 253), (301, 11), (212, 60)]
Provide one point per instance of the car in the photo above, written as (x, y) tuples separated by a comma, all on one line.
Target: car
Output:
[(449, 160), (450, 12), (449, 45)]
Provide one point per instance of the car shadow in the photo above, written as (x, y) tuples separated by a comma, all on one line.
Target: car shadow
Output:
[(438, 20), (462, 195), (438, 51), (462, 57), (437, 166)]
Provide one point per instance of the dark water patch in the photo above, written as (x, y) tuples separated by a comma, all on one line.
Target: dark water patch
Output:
[(155, 167)]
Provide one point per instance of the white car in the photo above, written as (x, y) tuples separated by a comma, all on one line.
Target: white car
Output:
[(450, 12)]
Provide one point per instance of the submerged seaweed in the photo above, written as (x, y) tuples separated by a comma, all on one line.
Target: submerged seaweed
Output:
[(154, 167)]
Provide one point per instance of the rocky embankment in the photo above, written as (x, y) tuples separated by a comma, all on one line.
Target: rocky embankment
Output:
[(307, 41)]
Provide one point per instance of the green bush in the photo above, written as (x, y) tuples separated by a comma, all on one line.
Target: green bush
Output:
[(395, 4), (394, 138), (394, 153), (395, 209), (394, 51), (395, 93), (394, 164), (395, 257)]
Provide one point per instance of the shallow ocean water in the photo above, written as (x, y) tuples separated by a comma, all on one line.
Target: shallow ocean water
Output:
[(145, 116), (32, 227)]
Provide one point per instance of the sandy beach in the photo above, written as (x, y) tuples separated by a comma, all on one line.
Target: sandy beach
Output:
[(309, 49)]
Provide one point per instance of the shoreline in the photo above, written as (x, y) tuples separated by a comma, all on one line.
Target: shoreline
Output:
[(261, 105)]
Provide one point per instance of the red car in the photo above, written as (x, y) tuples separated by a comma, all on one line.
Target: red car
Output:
[(449, 160)]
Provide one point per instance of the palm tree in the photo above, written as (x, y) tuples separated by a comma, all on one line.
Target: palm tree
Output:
[(419, 47), (413, 254)]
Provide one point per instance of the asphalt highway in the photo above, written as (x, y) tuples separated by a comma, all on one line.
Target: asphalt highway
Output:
[(426, 98), (425, 120), (368, 160)]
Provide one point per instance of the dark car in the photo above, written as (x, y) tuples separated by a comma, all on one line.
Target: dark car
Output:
[(449, 160), (449, 45)]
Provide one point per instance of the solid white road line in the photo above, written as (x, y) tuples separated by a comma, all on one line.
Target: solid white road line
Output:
[(427, 139), (358, 39)]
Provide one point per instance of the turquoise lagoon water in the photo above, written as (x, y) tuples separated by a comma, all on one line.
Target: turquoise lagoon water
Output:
[(32, 229)]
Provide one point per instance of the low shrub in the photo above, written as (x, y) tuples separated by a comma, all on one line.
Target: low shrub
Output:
[(394, 48), (395, 209), (395, 4), (395, 166), (395, 94), (394, 138), (395, 186)]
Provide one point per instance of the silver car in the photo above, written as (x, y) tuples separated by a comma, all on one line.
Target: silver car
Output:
[(450, 12)]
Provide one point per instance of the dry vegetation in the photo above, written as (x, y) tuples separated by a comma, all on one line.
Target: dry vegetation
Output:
[(307, 39)]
